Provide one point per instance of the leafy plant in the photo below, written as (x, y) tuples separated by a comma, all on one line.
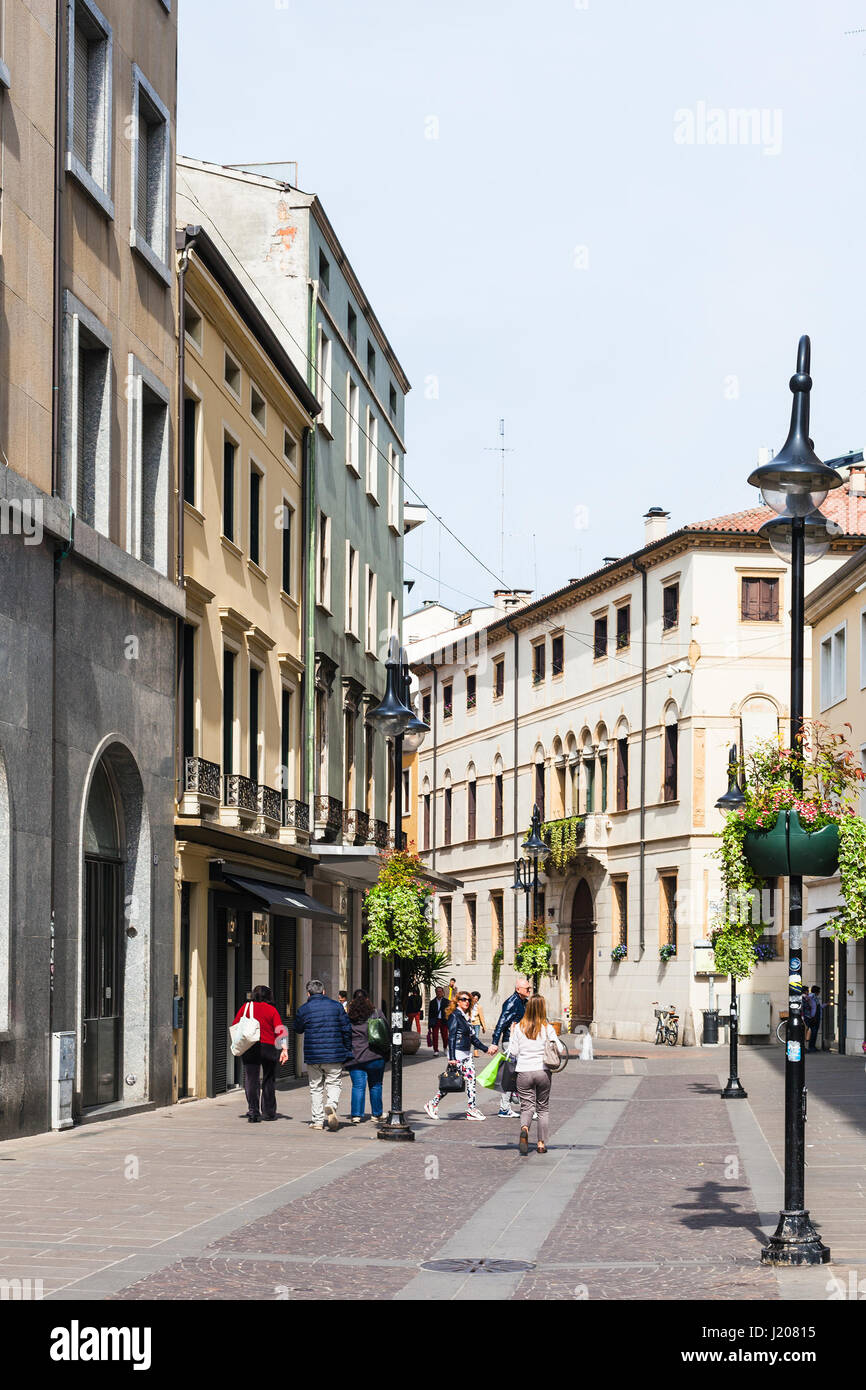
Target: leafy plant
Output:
[(397, 905), (496, 967), (563, 838), (429, 970), (667, 952), (734, 949), (532, 957), (619, 952)]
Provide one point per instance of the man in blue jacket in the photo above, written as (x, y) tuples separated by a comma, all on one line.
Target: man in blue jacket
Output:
[(512, 1012), (327, 1046)]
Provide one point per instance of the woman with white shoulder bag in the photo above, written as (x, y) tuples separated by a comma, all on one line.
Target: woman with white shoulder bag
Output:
[(536, 1052)]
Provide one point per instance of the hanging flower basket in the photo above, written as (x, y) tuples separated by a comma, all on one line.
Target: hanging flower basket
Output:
[(788, 848), (618, 953), (533, 954), (667, 953)]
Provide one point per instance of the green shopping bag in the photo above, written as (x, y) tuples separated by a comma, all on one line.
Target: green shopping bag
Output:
[(488, 1076)]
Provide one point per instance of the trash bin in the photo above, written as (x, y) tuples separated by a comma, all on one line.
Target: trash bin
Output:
[(711, 1027)]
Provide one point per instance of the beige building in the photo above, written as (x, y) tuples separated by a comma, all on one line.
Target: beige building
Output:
[(836, 612), (243, 857)]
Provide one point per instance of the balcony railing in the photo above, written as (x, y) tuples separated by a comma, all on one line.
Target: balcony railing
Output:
[(296, 814), (380, 834), (240, 792), (329, 817), (201, 778), (268, 804), (356, 826)]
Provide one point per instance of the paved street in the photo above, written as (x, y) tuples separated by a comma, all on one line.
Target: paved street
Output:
[(652, 1188)]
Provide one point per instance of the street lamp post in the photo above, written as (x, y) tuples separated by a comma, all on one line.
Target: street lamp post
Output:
[(731, 801), (395, 718), (794, 484), (526, 870)]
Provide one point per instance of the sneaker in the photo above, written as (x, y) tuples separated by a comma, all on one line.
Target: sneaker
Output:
[(524, 1140), (473, 1113), (377, 1119), (430, 1109), (316, 1124), (356, 1119), (508, 1114), (331, 1119)]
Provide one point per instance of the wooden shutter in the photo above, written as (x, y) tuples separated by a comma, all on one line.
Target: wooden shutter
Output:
[(471, 807), (539, 788), (622, 774), (670, 789), (447, 815), (671, 605), (623, 626), (497, 805), (751, 606), (769, 602), (80, 84)]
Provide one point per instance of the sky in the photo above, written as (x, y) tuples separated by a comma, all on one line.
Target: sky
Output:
[(562, 223)]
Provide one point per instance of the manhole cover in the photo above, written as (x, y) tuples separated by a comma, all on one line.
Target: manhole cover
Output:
[(478, 1266)]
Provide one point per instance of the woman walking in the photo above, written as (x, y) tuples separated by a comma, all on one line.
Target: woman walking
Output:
[(367, 1067), (262, 1056), (461, 1042), (526, 1046), (476, 1017)]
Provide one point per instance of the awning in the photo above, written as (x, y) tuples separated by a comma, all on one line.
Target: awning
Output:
[(363, 864), (283, 900)]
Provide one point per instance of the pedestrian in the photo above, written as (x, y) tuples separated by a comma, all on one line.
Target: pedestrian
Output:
[(413, 1009), (460, 1044), (327, 1046), (343, 998), (437, 1019), (367, 1066), (452, 988), (261, 1058), (476, 1017), (526, 1046), (512, 1012), (812, 1011)]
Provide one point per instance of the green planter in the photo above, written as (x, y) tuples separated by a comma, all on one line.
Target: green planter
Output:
[(787, 849)]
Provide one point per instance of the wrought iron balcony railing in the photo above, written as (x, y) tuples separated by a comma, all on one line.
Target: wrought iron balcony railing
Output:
[(201, 778), (296, 814), (269, 804), (240, 792)]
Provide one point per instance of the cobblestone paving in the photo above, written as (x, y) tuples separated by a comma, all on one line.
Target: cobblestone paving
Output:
[(260, 1280)]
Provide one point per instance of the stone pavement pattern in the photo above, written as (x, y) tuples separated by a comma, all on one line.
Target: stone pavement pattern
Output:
[(652, 1188)]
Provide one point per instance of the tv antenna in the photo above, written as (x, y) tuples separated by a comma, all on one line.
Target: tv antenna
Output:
[(502, 451)]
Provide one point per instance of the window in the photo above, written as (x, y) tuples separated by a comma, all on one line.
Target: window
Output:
[(193, 324), (393, 617), (351, 590), (147, 485), (323, 569), (498, 803), (255, 513), (447, 700), (539, 788), (190, 448), (352, 328), (425, 706), (372, 614), (229, 453), (471, 809), (151, 176), (286, 527), (445, 908), (324, 272), (228, 711), (87, 414), (557, 655), (668, 910), (255, 682), (499, 677), (471, 929), (426, 820), (258, 409), (353, 443), (670, 607), (232, 375), (407, 791), (538, 663), (623, 627), (760, 600), (589, 764), (470, 691), (497, 922), (393, 489), (349, 717), (369, 769), (863, 649), (324, 377), (671, 753), (290, 449), (392, 401), (89, 102), (599, 639), (189, 684), (371, 363), (620, 912), (446, 839), (833, 667), (372, 483), (603, 765), (285, 741), (622, 774)]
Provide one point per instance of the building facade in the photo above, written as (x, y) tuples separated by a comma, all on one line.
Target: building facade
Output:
[(90, 598), (611, 704)]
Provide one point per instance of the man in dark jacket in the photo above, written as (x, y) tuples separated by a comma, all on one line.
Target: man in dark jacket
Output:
[(327, 1046), (512, 1012), (436, 1019)]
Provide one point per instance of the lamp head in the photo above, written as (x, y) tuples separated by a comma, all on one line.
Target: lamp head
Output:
[(818, 534), (796, 482), (391, 716), (733, 798), (533, 844)]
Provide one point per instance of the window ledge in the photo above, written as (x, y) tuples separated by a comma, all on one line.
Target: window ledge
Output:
[(371, 497), (289, 601), (352, 636), (393, 526), (257, 570), (325, 429), (5, 79), (148, 254), (190, 509), (353, 468), (89, 184), (323, 608), (230, 546)]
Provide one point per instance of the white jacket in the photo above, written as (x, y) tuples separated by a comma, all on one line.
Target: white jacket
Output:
[(529, 1052)]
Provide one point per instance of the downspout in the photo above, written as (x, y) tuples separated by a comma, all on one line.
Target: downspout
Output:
[(183, 244), (307, 707), (310, 588), (434, 818), (643, 656), (513, 631)]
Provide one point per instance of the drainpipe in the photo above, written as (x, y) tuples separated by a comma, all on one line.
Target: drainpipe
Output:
[(183, 245), (434, 817), (513, 631), (643, 652), (310, 586)]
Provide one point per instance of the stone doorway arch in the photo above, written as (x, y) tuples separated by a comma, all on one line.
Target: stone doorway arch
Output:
[(582, 954)]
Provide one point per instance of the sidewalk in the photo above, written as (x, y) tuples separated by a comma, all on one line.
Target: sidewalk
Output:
[(653, 1187)]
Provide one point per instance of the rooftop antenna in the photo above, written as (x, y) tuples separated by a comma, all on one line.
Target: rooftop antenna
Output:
[(502, 451)]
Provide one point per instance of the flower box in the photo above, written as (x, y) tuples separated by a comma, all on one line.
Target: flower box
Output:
[(787, 848)]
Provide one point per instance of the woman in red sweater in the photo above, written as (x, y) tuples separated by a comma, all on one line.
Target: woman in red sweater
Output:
[(273, 1034)]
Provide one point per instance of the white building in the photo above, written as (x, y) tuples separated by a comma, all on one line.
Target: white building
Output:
[(616, 700)]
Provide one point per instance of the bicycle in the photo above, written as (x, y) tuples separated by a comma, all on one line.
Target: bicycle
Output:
[(667, 1025)]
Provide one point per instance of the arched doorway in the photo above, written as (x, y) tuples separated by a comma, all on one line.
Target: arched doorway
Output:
[(104, 941), (582, 954)]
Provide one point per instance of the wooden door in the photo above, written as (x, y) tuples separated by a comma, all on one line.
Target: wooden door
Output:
[(582, 955)]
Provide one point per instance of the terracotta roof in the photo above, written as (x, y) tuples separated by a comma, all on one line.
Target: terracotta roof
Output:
[(842, 506)]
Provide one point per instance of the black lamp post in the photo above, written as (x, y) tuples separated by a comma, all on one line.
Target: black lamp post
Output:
[(731, 801), (526, 869), (795, 484), (395, 719)]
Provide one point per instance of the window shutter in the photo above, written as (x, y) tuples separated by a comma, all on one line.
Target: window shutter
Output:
[(671, 605), (622, 774), (751, 606), (81, 65), (670, 789), (769, 600)]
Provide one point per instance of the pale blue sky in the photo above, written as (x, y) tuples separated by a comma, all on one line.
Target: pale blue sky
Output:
[(643, 371)]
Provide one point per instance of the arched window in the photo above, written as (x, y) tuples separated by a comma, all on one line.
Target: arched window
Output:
[(471, 803), (498, 796), (573, 780), (559, 764), (425, 800), (446, 782), (622, 766), (538, 789), (588, 759), (603, 750), (671, 753)]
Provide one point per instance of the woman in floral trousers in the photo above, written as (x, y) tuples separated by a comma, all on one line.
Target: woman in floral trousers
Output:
[(461, 1043)]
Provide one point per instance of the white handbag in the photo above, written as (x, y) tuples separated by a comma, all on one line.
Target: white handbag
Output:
[(245, 1032)]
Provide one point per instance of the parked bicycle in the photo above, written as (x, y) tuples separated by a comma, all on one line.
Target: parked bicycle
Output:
[(667, 1025)]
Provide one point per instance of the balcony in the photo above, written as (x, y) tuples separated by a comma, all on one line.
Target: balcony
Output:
[(296, 822), (356, 827), (329, 818), (379, 834), (201, 787), (269, 807), (240, 800)]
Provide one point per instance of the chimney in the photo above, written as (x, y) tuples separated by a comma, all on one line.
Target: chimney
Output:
[(655, 524), (857, 481), (765, 454)]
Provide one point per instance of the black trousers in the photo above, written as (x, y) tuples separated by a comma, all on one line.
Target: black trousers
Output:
[(260, 1056)]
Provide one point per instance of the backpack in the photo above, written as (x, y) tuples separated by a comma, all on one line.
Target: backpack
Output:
[(377, 1036), (810, 1008)]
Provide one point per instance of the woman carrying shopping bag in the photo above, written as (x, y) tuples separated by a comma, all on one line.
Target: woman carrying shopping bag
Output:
[(260, 1058), (536, 1051), (461, 1042)]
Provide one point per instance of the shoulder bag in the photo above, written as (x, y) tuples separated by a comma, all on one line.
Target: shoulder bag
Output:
[(245, 1033), (377, 1035), (555, 1054)]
